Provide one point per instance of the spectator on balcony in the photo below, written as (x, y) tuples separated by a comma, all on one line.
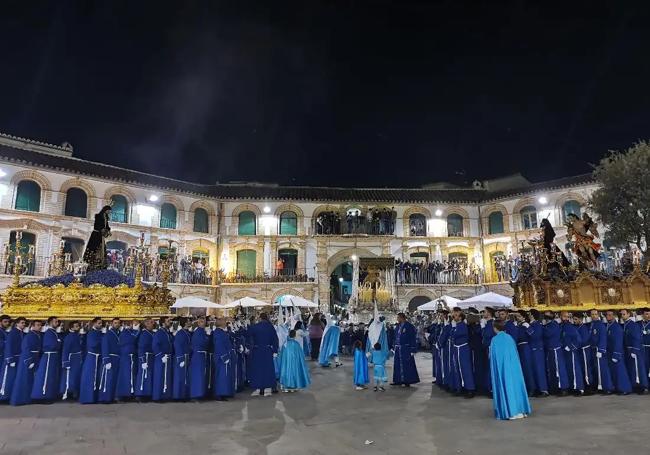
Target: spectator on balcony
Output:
[(279, 266)]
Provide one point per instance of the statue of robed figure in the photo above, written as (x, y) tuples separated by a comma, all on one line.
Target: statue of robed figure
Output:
[(95, 254)]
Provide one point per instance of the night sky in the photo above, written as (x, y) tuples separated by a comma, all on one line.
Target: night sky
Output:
[(338, 93)]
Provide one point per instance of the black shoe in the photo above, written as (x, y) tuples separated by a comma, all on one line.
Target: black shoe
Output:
[(643, 392), (470, 394), (562, 393), (375, 389), (579, 393), (544, 394), (395, 383)]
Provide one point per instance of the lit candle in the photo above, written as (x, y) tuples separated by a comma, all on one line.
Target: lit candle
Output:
[(62, 244), (19, 260), (19, 235)]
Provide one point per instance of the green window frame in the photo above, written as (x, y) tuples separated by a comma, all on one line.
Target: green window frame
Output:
[(288, 223), (201, 223), (28, 196), (247, 223), (168, 216), (120, 209), (76, 203), (495, 223)]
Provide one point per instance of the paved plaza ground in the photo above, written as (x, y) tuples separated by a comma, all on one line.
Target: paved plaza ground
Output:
[(331, 418)]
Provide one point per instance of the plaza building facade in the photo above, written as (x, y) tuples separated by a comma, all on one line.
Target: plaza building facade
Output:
[(228, 241)]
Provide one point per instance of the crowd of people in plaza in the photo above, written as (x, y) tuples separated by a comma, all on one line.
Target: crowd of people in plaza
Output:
[(558, 353)]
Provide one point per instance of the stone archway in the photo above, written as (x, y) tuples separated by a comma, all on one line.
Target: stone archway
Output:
[(416, 301)]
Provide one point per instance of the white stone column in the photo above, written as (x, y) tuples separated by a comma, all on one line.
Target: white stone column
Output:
[(267, 256)]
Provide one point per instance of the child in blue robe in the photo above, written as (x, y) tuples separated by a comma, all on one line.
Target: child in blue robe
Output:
[(294, 374), (330, 345), (361, 379), (509, 394), (378, 360)]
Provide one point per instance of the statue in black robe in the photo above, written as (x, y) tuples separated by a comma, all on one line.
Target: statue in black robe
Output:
[(95, 254)]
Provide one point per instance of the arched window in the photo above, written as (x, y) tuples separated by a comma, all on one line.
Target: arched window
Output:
[(246, 262), (28, 196), (495, 223), (455, 225), (570, 207), (417, 225), (76, 203), (201, 223), (247, 223), (528, 217), (288, 223), (167, 216), (120, 209)]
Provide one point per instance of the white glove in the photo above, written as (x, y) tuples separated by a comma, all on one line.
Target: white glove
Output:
[(67, 368), (208, 331), (368, 355), (525, 324), (599, 355), (567, 348), (275, 355), (164, 358), (226, 362), (615, 360), (483, 323), (246, 351), (633, 355), (453, 323), (412, 354), (182, 364), (12, 364), (31, 365), (82, 331), (144, 366), (108, 366), (241, 349)]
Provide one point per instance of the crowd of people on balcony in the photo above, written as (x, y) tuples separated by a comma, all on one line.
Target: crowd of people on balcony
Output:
[(377, 221), (450, 271)]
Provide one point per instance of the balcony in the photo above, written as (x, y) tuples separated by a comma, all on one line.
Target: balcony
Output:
[(331, 223), (262, 276)]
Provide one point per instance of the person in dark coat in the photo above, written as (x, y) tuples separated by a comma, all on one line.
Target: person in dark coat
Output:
[(95, 254), (265, 348), (405, 372)]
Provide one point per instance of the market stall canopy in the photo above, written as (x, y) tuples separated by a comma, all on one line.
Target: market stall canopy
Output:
[(194, 302), (444, 300), (246, 302), (490, 299), (293, 300)]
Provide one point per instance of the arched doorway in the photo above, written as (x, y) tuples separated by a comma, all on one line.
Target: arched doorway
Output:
[(341, 284), (416, 301), (75, 247)]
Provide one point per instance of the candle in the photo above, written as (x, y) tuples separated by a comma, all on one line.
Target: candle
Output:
[(62, 244), (19, 260), (19, 235)]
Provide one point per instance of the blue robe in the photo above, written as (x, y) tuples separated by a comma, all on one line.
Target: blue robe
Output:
[(91, 368), (535, 332), (224, 381), (645, 339), (163, 365), (330, 345), (487, 333), (462, 358), (558, 378), (573, 356), (616, 358), (110, 374), (264, 341), (479, 362), (71, 361), (511, 329), (526, 358), (634, 355), (294, 373), (444, 352), (3, 339), (11, 355), (30, 353), (404, 370), (378, 360), (383, 340), (182, 351), (126, 381), (46, 378), (584, 335), (200, 369), (602, 375), (360, 368), (508, 387), (144, 378)]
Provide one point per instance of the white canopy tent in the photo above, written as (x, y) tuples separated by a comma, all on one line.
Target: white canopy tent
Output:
[(294, 300), (194, 302), (490, 299), (246, 302), (444, 300)]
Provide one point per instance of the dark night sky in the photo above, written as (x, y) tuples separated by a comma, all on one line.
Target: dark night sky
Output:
[(344, 93)]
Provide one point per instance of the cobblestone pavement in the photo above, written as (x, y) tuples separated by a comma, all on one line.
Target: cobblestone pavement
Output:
[(331, 418)]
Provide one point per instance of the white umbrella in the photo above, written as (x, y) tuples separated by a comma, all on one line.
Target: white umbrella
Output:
[(246, 302), (449, 301), (490, 299), (293, 300), (194, 302)]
